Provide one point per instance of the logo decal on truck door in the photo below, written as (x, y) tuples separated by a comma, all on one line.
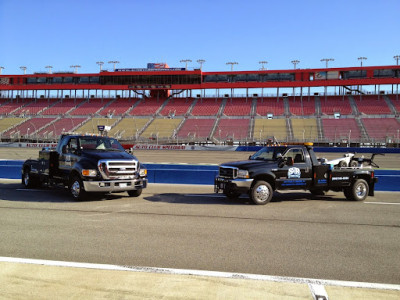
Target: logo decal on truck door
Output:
[(294, 173)]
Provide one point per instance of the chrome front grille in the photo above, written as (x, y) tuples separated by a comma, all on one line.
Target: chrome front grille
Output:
[(228, 172), (118, 169)]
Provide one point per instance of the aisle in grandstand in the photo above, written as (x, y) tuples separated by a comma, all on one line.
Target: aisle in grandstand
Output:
[(321, 119)]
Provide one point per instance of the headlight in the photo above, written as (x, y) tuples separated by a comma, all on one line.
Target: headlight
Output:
[(89, 173), (243, 174), (143, 172)]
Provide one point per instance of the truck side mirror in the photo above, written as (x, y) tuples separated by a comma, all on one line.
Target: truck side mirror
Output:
[(289, 161)]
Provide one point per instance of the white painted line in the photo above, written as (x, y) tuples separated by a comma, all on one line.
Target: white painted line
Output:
[(318, 292), (217, 274), (383, 203)]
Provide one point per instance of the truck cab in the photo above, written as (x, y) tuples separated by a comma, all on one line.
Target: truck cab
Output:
[(86, 164), (291, 168)]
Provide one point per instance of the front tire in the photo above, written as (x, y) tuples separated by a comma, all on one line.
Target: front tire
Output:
[(135, 193), (77, 189), (261, 193), (28, 180), (358, 191)]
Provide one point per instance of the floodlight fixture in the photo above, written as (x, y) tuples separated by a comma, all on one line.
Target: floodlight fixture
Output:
[(23, 68), (186, 62), (361, 58), (326, 60), (263, 62), (1, 68), (397, 57), (295, 62), (49, 67), (113, 62), (75, 67), (232, 63), (100, 63), (201, 62)]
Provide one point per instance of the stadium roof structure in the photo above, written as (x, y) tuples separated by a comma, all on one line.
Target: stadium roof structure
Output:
[(183, 79)]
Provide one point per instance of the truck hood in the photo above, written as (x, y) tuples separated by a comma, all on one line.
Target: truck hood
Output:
[(97, 155), (250, 164)]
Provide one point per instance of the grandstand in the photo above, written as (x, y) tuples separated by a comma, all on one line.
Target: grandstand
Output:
[(159, 112)]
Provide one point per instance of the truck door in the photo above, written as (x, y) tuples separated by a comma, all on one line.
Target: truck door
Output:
[(295, 176), (68, 156)]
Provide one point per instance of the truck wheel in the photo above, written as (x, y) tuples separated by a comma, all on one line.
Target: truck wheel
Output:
[(343, 164), (353, 164), (358, 191), (261, 193), (135, 193), (76, 188), (28, 181), (231, 194)]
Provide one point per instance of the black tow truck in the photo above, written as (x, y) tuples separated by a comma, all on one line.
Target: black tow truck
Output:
[(293, 167), (86, 164)]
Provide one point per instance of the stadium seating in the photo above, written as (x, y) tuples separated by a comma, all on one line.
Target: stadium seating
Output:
[(118, 107), (90, 107), (161, 128), (128, 128), (147, 107), (34, 107), (207, 107), (335, 104), (91, 125), (395, 99), (61, 125), (338, 129), (28, 128), (7, 123), (381, 128), (176, 107), (236, 129), (265, 129), (199, 128), (238, 107), (371, 105), (270, 106), (305, 129), (13, 105), (62, 107), (300, 107)]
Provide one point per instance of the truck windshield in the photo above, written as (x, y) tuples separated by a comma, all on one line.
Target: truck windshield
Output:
[(267, 153), (100, 143)]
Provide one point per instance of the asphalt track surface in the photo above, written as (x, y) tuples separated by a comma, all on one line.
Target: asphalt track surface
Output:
[(190, 227)]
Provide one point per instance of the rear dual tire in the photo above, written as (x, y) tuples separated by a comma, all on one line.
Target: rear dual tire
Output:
[(358, 191)]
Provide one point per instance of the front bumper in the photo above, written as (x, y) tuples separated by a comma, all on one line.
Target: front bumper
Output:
[(115, 185), (241, 185)]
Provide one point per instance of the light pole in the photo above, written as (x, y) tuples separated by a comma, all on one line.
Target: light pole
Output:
[(49, 67), (186, 62), (1, 68), (114, 62), (232, 63), (75, 67), (100, 63), (295, 62), (326, 60), (396, 58), (263, 62), (361, 58), (23, 68), (201, 62)]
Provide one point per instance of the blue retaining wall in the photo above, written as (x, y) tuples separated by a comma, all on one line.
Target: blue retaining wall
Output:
[(333, 149), (198, 174)]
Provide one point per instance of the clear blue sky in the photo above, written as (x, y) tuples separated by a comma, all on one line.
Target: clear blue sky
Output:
[(37, 33)]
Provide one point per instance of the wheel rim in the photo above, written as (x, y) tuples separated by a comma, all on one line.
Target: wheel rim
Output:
[(75, 189), (26, 178), (361, 190), (262, 193)]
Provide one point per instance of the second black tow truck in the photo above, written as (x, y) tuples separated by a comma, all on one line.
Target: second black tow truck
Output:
[(292, 168)]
